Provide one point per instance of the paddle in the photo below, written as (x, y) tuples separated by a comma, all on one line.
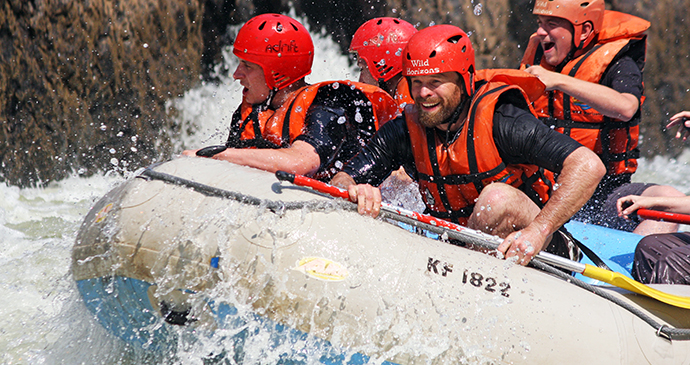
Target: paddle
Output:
[(465, 234), (663, 216)]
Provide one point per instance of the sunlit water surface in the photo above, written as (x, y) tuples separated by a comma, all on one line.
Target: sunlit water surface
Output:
[(44, 320)]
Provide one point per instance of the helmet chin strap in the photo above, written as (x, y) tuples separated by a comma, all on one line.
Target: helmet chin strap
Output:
[(266, 104)]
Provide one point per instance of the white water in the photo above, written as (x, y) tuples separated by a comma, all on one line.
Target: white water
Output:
[(44, 320)]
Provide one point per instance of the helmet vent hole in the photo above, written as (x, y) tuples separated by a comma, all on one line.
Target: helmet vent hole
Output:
[(396, 21), (584, 5), (379, 22), (261, 27), (294, 27), (408, 56), (464, 48), (455, 39), (433, 54)]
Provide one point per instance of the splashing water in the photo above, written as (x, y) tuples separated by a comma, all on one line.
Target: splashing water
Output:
[(45, 320)]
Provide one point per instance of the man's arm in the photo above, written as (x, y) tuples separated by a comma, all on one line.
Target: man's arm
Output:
[(578, 179), (606, 100), (523, 139), (300, 158)]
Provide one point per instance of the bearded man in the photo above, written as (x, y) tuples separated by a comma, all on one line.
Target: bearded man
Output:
[(480, 156)]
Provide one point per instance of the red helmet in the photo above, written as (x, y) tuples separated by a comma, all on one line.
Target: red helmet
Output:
[(438, 49), (279, 44), (380, 42), (577, 12)]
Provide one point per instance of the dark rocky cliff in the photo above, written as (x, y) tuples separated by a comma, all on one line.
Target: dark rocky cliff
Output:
[(83, 84)]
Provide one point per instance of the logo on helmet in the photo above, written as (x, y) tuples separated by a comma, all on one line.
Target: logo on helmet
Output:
[(283, 47), (419, 63), (542, 7)]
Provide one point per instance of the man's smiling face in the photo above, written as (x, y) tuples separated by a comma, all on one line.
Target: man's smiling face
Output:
[(556, 36)]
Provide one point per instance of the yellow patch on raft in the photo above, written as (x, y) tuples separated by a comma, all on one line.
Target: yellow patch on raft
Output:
[(321, 268)]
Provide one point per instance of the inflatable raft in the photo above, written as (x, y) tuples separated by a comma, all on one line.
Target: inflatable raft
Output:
[(206, 248)]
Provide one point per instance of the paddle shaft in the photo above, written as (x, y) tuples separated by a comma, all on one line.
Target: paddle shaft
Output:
[(663, 216), (465, 234), (432, 224)]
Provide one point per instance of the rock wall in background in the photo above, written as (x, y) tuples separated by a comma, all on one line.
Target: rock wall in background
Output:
[(83, 84)]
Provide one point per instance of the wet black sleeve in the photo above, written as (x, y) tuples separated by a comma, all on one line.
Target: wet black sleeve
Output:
[(387, 150), (625, 77), (325, 130), (522, 138)]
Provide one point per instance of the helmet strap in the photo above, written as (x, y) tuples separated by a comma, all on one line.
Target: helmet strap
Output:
[(266, 104)]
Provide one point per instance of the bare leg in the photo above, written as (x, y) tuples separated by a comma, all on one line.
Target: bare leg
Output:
[(649, 226), (502, 209)]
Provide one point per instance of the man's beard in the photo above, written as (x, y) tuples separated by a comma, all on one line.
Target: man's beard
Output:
[(434, 119)]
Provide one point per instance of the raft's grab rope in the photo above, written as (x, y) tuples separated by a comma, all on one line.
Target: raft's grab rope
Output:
[(274, 206), (662, 330)]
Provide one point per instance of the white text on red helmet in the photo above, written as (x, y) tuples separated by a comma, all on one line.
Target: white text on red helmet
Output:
[(423, 71), (419, 63)]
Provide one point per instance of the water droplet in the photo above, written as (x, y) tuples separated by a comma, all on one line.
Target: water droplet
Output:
[(478, 9), (113, 161), (112, 150), (358, 117), (342, 120), (335, 85)]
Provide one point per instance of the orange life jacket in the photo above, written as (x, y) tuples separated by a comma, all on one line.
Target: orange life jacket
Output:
[(452, 175), (615, 141), (246, 127), (288, 121)]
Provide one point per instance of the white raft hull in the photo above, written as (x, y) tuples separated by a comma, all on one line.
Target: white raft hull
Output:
[(357, 288)]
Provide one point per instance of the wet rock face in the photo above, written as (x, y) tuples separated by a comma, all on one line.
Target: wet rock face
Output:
[(83, 84)]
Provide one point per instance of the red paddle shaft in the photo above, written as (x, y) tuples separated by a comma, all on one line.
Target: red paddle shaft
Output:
[(491, 241), (663, 216)]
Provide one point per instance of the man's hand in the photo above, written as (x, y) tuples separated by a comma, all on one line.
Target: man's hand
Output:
[(367, 197), (682, 120), (549, 78), (523, 244), (189, 152)]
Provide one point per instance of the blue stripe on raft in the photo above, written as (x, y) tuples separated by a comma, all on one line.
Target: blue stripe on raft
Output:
[(122, 306)]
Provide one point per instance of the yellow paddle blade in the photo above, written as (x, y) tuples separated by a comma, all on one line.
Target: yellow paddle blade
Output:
[(622, 281)]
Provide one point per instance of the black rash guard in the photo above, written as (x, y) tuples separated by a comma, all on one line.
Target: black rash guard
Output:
[(339, 122), (520, 138), (623, 76)]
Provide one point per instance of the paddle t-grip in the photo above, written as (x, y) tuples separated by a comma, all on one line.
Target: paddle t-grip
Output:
[(211, 151)]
